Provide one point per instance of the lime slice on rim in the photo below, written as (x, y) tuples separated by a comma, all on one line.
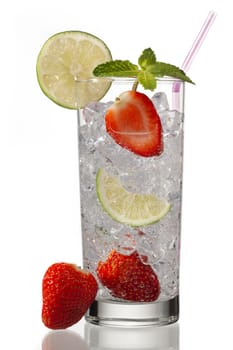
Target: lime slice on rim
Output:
[(129, 208), (67, 57)]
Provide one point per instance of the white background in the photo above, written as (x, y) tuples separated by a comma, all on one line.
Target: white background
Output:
[(39, 208)]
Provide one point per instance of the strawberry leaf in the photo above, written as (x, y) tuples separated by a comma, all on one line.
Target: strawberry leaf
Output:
[(117, 68)]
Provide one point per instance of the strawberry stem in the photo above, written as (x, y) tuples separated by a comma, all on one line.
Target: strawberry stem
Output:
[(135, 85)]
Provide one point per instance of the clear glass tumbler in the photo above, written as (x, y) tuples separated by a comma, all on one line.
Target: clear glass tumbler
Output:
[(131, 202)]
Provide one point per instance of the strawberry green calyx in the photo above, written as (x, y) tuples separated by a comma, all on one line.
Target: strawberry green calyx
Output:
[(146, 72)]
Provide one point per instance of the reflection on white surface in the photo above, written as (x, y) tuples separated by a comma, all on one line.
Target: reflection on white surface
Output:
[(143, 338), (114, 338), (63, 340)]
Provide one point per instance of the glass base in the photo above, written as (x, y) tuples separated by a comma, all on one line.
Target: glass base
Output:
[(117, 313)]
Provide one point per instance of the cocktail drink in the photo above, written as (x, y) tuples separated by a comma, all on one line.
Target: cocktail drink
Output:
[(130, 127), (130, 160)]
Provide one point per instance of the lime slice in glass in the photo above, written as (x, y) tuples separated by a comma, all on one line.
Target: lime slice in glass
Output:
[(64, 59), (133, 209)]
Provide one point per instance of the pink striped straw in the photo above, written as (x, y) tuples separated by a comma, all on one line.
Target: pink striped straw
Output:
[(196, 46)]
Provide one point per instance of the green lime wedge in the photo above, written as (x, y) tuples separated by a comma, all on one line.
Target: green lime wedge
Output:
[(67, 57), (133, 209)]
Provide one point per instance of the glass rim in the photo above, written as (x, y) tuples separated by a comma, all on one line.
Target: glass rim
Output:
[(165, 79)]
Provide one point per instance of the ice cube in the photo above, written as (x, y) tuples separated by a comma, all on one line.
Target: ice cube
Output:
[(172, 121), (94, 111), (160, 101), (126, 243), (93, 129), (148, 246)]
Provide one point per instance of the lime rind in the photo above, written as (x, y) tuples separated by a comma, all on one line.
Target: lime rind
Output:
[(129, 208), (66, 57)]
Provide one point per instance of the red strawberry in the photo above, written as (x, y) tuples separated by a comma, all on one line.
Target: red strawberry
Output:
[(133, 123), (127, 277), (67, 293)]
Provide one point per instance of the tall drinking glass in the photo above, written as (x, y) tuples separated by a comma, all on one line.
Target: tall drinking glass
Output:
[(131, 205)]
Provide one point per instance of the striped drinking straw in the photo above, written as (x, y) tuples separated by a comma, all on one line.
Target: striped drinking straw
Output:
[(192, 53)]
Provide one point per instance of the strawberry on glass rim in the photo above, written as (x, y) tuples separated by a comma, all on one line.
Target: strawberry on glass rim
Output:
[(133, 122)]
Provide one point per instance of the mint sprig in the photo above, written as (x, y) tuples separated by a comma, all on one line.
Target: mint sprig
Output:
[(146, 72)]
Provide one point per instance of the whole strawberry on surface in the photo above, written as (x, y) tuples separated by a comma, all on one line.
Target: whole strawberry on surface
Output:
[(128, 278), (67, 293)]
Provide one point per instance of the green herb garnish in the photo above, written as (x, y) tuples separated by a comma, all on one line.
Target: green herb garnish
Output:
[(146, 72)]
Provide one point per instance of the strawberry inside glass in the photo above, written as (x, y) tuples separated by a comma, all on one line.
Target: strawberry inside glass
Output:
[(134, 123)]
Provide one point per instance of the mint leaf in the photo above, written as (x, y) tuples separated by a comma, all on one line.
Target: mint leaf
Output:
[(146, 73), (147, 58), (160, 69), (147, 80), (117, 68)]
